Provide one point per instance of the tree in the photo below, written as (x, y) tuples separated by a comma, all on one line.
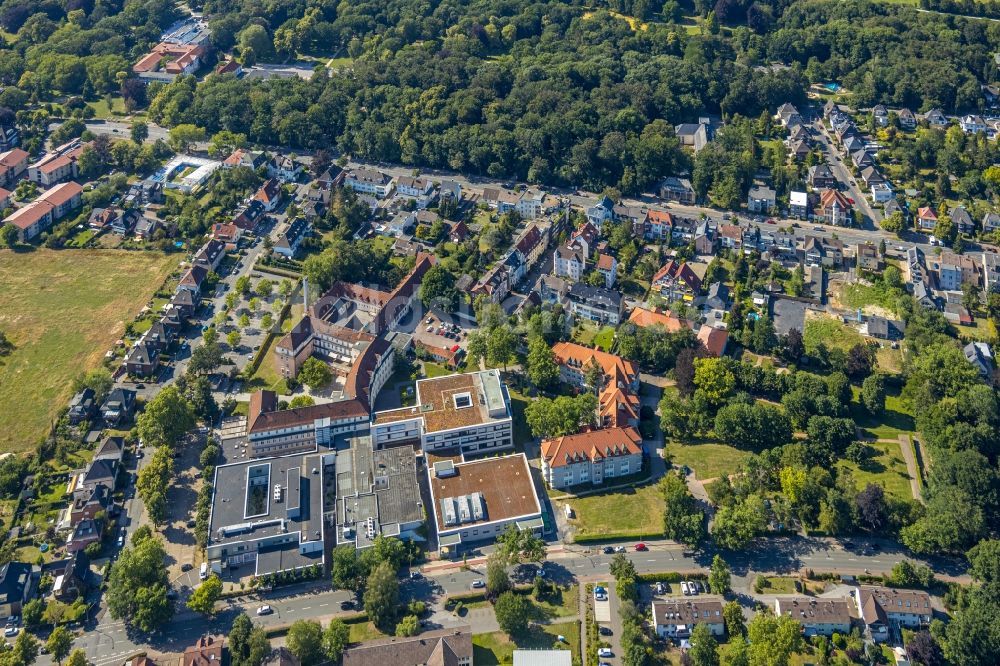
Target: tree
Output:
[(78, 658), (31, 613), (924, 650), (860, 361), (248, 644), (437, 288), (182, 136), (594, 377), (737, 524), (516, 545), (382, 596), (24, 653), (755, 426), (714, 382), (335, 639), (305, 640), (152, 482), (894, 223), (872, 508), (873, 394), (166, 418), (301, 401), (233, 340), (732, 613), (543, 371), (59, 643), (984, 561), (512, 612), (244, 320), (704, 648), (315, 373), (773, 639), (205, 595), (682, 520), (497, 581), (972, 637), (8, 235), (139, 131), (208, 356), (408, 626), (345, 568), (793, 348), (137, 586), (242, 285), (719, 576)]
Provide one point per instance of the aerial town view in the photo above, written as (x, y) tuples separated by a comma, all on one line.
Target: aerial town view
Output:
[(482, 332)]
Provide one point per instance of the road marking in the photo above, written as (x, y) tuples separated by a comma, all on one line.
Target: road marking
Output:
[(650, 560), (323, 605), (307, 608)]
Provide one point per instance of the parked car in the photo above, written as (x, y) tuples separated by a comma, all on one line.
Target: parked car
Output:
[(605, 652), (346, 605), (478, 584), (619, 549), (10, 631), (685, 589), (640, 547), (187, 566), (265, 610), (606, 631), (608, 550)]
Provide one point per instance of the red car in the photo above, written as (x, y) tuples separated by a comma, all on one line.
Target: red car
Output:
[(641, 547)]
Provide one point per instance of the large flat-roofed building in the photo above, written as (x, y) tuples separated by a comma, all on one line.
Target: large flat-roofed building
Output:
[(268, 514), (476, 500), (470, 412), (377, 493), (271, 431)]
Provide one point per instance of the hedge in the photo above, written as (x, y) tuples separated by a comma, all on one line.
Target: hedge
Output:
[(668, 577), (616, 536)]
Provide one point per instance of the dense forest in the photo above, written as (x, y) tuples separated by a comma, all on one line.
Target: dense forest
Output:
[(546, 91)]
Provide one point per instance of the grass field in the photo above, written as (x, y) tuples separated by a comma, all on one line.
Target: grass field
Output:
[(103, 111), (708, 460), (620, 514), (886, 468), (63, 310), (894, 421), (831, 332), (498, 648)]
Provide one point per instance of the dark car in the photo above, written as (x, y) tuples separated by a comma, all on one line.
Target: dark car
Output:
[(191, 524), (606, 631), (346, 605), (608, 550)]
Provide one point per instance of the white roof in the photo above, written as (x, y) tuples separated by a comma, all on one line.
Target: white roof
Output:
[(798, 199)]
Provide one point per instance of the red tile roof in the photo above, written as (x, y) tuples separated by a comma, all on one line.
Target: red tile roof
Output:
[(644, 318), (714, 339), (590, 446)]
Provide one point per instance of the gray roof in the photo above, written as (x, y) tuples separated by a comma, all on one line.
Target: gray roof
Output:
[(608, 299)]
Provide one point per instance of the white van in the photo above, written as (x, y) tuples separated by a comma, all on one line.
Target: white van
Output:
[(203, 574)]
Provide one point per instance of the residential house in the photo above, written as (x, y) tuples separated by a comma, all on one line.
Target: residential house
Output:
[(13, 164), (991, 222), (972, 124), (704, 238), (516, 268), (84, 533), (991, 272), (861, 159), (194, 278), (798, 204), (52, 205), (286, 168), (72, 577), (798, 150), (495, 284), (962, 220), (834, 208), (608, 267), (683, 230), (926, 218), (818, 616), (788, 115), (882, 193), (694, 135), (760, 199), (450, 189), (677, 189), (907, 120), (881, 115), (713, 339), (676, 618), (208, 651), (830, 108), (871, 176), (882, 607), (552, 289), (269, 194), (143, 360), (954, 270), (242, 157), (291, 238), (459, 231), (369, 181), (146, 226), (980, 355), (601, 212), (798, 133), (633, 216), (530, 205), (883, 329), (82, 407), (10, 137), (231, 66), (570, 261), (117, 408), (530, 245), (596, 303), (823, 251), (853, 145), (955, 312), (185, 301), (936, 118), (659, 226), (644, 318), (442, 647), (17, 587), (414, 188), (592, 457), (574, 360), (58, 165), (676, 281), (717, 297), (250, 216), (228, 234), (730, 236), (88, 502), (160, 335), (866, 257), (211, 254)]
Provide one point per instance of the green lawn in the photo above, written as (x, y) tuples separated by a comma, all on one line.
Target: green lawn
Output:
[(605, 338), (103, 111), (518, 403), (63, 310), (567, 604), (778, 585), (622, 514), (708, 460), (894, 421), (831, 332), (363, 631), (863, 295), (498, 648), (339, 63), (436, 370), (588, 335), (886, 468)]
